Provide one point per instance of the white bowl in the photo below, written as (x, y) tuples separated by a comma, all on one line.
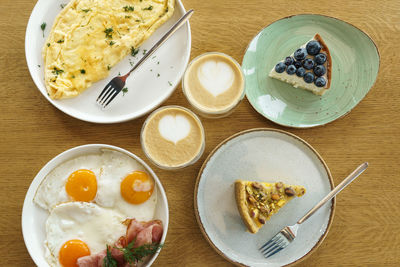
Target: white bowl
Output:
[(34, 217), (146, 90)]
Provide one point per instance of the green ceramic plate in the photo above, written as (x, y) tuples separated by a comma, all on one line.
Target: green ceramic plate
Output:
[(355, 60)]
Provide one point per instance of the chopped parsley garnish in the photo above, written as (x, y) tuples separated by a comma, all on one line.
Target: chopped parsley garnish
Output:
[(83, 71), (38, 66), (62, 5), (128, 17), (148, 8), (86, 10), (124, 91), (73, 76), (109, 260), (109, 32), (166, 10), (158, 74), (153, 57), (108, 67), (129, 8), (57, 71), (112, 42), (134, 255), (134, 51), (48, 44), (138, 20), (170, 84), (43, 27), (60, 41), (144, 51), (158, 62)]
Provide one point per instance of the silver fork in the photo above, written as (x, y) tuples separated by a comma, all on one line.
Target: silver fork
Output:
[(112, 89), (282, 239)]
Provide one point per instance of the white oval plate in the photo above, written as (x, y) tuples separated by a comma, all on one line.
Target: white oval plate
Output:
[(34, 217), (146, 90), (262, 155)]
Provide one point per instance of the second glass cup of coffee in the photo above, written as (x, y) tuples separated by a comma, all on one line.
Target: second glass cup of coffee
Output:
[(214, 84)]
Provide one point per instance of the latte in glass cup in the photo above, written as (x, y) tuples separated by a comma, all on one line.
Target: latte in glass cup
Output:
[(173, 137), (214, 84)]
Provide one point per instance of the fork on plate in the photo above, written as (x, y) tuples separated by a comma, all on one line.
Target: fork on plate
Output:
[(285, 236), (112, 89)]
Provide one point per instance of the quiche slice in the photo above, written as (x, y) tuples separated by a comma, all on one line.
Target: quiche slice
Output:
[(258, 201), (309, 67)]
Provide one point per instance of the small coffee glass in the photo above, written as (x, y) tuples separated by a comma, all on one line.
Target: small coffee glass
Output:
[(214, 112), (169, 151)]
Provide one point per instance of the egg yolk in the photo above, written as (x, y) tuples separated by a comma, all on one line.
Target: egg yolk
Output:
[(137, 187), (82, 185), (71, 251)]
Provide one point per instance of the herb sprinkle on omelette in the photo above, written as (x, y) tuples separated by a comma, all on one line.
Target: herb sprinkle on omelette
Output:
[(89, 37)]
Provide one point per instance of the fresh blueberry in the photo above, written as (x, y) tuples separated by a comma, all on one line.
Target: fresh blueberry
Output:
[(319, 70), (308, 63), (280, 67), (300, 72), (297, 64), (308, 77), (289, 61), (320, 82), (313, 47), (320, 58), (291, 69), (300, 54)]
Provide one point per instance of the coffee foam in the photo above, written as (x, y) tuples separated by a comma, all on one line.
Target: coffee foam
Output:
[(215, 76), (173, 128), (172, 137), (213, 83)]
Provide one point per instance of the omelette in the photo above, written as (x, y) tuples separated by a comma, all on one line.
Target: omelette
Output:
[(89, 37)]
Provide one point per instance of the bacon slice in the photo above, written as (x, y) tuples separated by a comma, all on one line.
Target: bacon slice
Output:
[(95, 260), (142, 232)]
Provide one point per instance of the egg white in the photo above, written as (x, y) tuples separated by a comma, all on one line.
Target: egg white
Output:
[(94, 225), (108, 188), (110, 168), (51, 191)]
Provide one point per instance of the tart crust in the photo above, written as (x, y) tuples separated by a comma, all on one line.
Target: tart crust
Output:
[(325, 49)]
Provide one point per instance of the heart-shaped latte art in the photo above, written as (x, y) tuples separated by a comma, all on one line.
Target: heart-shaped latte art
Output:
[(215, 76), (174, 128)]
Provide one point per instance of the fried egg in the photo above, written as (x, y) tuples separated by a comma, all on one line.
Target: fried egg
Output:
[(73, 180), (110, 179), (89, 37), (78, 229)]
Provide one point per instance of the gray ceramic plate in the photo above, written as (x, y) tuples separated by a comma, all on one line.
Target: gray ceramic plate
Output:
[(355, 65), (262, 155)]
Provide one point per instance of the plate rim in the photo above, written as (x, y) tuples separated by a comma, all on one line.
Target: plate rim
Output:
[(111, 120), (343, 115), (244, 132), (75, 149)]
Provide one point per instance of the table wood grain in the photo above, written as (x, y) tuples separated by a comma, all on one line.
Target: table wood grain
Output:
[(365, 229)]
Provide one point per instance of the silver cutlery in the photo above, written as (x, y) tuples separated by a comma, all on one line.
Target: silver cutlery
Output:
[(282, 239)]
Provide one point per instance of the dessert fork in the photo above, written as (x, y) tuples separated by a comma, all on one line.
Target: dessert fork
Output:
[(112, 89), (282, 239)]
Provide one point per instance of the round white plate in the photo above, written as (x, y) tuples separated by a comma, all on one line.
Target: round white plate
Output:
[(34, 217), (267, 155), (148, 86)]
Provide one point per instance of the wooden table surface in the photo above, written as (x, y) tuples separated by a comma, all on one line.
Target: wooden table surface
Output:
[(365, 229)]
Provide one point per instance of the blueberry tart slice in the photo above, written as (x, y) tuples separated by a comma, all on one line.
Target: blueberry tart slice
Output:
[(309, 67), (258, 201)]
